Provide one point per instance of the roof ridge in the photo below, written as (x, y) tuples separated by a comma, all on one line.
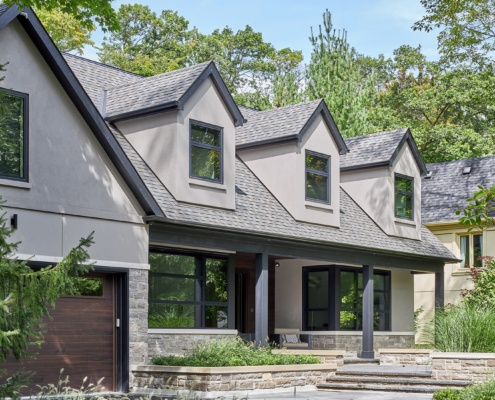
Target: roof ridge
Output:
[(397, 130), (64, 53)]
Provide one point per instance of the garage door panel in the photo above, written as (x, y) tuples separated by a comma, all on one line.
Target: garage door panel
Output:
[(79, 338)]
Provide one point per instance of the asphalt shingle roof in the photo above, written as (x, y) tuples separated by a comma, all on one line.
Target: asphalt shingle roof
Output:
[(275, 123), (153, 91), (371, 149), (95, 77), (3, 8), (259, 212), (448, 188)]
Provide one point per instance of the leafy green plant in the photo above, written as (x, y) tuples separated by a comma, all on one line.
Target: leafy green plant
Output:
[(463, 328), (447, 394), (232, 353)]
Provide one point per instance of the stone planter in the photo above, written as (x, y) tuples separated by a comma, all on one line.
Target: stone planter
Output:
[(206, 379)]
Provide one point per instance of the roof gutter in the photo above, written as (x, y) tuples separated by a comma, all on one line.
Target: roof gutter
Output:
[(172, 105), (364, 166), (268, 142)]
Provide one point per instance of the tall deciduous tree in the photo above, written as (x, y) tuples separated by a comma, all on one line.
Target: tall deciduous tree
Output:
[(450, 111), (146, 43), (467, 28), (84, 11), (335, 75)]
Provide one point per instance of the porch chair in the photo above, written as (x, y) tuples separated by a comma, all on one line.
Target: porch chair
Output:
[(290, 338)]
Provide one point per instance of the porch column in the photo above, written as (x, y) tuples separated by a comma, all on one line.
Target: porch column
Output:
[(368, 312), (261, 317), (439, 290)]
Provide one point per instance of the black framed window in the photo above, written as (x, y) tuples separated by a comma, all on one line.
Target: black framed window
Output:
[(206, 158), (404, 196), (333, 298), (471, 249), (187, 291), (317, 177), (13, 135)]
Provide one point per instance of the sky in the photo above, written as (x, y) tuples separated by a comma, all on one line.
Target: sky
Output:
[(373, 26)]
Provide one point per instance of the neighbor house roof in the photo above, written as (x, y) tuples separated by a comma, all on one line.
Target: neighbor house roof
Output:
[(378, 149), (284, 124), (449, 186)]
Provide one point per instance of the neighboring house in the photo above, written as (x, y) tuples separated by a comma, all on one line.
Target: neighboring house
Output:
[(445, 189), (249, 220)]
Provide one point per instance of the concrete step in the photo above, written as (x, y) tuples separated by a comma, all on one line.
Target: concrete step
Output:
[(378, 387), (397, 381)]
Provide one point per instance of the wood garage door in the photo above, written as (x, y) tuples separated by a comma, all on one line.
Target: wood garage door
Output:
[(80, 339)]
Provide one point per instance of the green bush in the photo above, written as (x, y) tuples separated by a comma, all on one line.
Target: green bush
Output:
[(464, 328), (447, 394), (232, 353)]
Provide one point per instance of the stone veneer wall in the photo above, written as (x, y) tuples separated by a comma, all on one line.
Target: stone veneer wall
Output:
[(230, 378), (352, 343), (162, 344), (138, 316)]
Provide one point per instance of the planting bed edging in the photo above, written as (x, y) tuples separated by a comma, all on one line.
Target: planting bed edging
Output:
[(208, 379)]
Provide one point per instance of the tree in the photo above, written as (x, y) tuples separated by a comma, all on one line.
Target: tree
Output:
[(83, 11), (335, 75), (468, 30), (146, 43), (65, 30), (25, 298), (449, 111)]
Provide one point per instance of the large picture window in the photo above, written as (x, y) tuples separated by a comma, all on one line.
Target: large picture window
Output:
[(206, 152), (334, 299), (317, 177), (13, 135), (404, 186), (471, 248), (187, 291)]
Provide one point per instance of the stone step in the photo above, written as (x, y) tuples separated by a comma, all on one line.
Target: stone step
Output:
[(386, 374), (377, 387), (397, 381), (351, 361)]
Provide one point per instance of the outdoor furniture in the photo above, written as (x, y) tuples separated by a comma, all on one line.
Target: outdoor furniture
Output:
[(291, 338)]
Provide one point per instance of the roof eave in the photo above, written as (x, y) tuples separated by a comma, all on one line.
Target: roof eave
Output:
[(8, 16), (408, 138), (368, 165), (268, 142), (169, 106)]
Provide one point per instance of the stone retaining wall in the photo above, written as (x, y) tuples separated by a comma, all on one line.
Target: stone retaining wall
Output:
[(405, 356), (474, 367), (353, 342), (230, 378)]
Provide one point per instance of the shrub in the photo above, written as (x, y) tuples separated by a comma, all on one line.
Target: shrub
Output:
[(448, 394), (464, 328), (232, 353)]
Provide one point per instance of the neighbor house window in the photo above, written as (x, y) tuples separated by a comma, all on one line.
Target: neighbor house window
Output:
[(187, 291), (206, 152), (471, 247), (317, 177), (13, 135), (333, 299), (404, 198)]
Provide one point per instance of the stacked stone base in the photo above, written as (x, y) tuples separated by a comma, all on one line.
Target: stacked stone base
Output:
[(230, 378)]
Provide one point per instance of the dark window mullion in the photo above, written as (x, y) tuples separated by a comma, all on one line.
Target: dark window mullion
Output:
[(205, 146)]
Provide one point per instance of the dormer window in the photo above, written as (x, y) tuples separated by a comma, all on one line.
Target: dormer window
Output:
[(206, 160), (317, 177), (404, 186)]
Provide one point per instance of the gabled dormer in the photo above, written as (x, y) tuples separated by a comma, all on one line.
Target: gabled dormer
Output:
[(382, 173), (295, 152), (182, 124)]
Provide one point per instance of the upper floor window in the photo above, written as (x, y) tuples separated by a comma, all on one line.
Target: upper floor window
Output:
[(404, 186), (317, 177), (471, 247), (13, 135), (206, 159), (187, 291)]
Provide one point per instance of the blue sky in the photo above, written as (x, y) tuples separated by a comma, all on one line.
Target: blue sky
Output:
[(373, 26)]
